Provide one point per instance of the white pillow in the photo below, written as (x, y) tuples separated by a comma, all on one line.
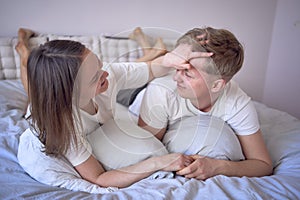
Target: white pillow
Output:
[(204, 135), (9, 58), (120, 143)]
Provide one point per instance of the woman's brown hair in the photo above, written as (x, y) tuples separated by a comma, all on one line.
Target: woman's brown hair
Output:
[(51, 73)]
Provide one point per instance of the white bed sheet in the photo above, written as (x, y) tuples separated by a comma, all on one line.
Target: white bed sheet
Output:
[(280, 130)]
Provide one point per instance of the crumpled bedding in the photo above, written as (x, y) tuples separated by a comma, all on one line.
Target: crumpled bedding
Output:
[(281, 132)]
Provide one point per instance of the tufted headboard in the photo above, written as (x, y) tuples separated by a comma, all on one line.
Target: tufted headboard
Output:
[(109, 49)]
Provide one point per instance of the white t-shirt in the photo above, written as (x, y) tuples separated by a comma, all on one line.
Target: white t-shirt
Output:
[(234, 106), (121, 76)]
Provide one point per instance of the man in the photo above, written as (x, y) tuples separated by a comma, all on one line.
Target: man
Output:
[(204, 87)]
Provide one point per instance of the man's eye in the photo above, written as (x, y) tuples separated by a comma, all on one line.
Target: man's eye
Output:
[(188, 75)]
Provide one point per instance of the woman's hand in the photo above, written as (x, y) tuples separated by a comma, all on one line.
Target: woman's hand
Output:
[(179, 58)]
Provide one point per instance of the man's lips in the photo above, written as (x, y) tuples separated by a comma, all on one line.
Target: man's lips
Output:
[(180, 86)]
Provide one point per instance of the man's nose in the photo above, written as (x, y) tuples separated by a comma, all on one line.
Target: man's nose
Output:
[(177, 75)]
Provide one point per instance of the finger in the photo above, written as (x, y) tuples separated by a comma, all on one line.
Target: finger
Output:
[(185, 66), (187, 170), (188, 161), (182, 66), (191, 159), (196, 156), (199, 55), (192, 175)]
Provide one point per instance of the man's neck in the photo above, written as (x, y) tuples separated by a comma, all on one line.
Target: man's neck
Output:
[(205, 106)]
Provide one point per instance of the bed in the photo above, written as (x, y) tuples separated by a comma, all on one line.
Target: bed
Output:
[(281, 132)]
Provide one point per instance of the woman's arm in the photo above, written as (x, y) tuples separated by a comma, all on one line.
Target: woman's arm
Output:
[(177, 58), (258, 162), (91, 170)]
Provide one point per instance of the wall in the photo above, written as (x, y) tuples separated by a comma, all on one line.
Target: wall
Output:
[(251, 21), (283, 72)]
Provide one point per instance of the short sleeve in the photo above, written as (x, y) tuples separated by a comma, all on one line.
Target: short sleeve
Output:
[(245, 122), (128, 75), (153, 108), (159, 105), (79, 153), (236, 108)]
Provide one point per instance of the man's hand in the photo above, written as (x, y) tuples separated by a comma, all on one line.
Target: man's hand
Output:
[(201, 169)]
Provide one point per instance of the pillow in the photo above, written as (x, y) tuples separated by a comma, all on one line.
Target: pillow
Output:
[(204, 135), (120, 143), (117, 49), (127, 96), (92, 42), (9, 58)]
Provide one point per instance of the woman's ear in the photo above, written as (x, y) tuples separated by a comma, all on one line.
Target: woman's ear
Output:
[(218, 85)]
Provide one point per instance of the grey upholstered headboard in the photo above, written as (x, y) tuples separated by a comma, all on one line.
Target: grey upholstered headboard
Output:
[(110, 50)]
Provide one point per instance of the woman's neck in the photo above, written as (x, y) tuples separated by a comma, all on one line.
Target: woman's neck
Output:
[(90, 108)]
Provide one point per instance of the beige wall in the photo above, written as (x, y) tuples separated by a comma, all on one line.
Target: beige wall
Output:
[(251, 21)]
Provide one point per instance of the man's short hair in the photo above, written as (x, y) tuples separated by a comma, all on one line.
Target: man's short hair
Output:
[(228, 53)]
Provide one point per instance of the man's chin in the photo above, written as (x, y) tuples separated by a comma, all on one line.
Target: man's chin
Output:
[(180, 93)]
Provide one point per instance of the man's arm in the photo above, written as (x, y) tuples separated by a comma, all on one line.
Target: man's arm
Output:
[(158, 133), (258, 162)]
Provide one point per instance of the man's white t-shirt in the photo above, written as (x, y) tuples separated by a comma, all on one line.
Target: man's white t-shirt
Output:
[(162, 106)]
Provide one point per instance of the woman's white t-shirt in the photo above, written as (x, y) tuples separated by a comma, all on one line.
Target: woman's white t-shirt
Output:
[(121, 76)]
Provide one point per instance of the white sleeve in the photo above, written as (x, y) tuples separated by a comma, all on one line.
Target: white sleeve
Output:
[(129, 75), (245, 121), (80, 153), (236, 108), (154, 107)]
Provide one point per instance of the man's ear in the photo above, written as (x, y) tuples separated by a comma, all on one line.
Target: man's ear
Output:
[(218, 85)]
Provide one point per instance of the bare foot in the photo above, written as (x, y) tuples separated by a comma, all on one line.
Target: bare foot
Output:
[(142, 39), (157, 50), (24, 34), (22, 46)]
